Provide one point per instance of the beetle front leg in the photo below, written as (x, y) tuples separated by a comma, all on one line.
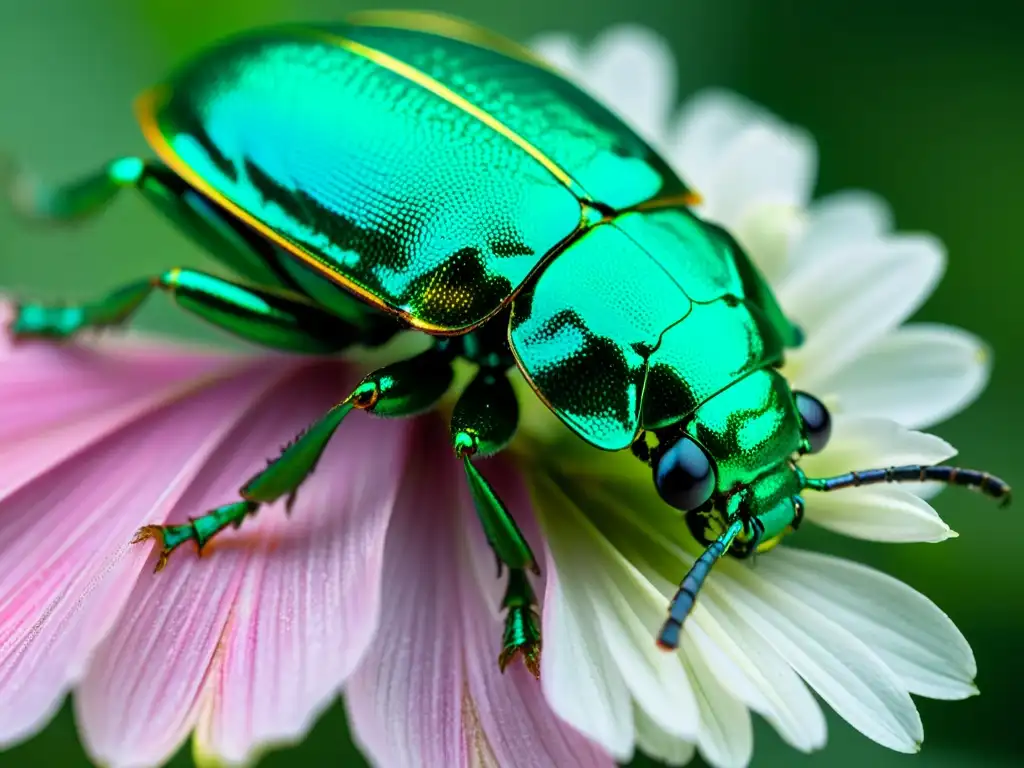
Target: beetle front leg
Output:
[(269, 317), (483, 422), (198, 529), (77, 200), (207, 223), (404, 388)]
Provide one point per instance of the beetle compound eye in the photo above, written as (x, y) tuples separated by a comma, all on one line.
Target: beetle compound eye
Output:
[(683, 475), (816, 418)]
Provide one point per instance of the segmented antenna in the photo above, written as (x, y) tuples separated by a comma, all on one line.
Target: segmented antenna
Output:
[(686, 596), (985, 483)]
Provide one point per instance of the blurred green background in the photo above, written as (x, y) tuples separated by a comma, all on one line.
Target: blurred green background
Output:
[(922, 101)]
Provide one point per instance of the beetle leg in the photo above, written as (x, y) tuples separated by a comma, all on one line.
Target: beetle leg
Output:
[(483, 422), (404, 388), (522, 624), (209, 225), (197, 529), (270, 317), (77, 200)]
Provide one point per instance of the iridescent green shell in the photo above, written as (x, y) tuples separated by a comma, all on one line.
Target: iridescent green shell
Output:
[(439, 173), (426, 173)]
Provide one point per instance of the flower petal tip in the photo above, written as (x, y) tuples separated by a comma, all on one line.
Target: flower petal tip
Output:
[(204, 759), (204, 756), (983, 354)]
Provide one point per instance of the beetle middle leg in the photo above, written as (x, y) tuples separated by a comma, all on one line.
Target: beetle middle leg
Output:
[(483, 422), (267, 316)]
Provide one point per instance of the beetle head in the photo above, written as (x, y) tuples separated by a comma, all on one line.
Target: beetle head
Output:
[(735, 456)]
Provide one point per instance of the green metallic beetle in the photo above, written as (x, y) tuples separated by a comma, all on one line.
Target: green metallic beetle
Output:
[(405, 170)]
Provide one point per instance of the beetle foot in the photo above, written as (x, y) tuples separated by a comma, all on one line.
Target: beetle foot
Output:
[(522, 624), (169, 537), (62, 321), (41, 321), (521, 639), (197, 529)]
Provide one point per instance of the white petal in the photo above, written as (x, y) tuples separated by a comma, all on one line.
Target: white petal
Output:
[(630, 612), (767, 232), (726, 735), (755, 673), (847, 300), (657, 744), (761, 177), (839, 667), (561, 51), (917, 375), (707, 126), (763, 166), (866, 443), (878, 513), (908, 631), (709, 639), (633, 72), (580, 682), (838, 220), (627, 610)]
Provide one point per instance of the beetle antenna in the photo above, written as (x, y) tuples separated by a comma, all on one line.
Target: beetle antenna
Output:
[(686, 596), (917, 473)]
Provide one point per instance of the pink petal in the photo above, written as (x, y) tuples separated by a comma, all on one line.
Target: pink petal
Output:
[(65, 563), (44, 385), (405, 698), (138, 701), (56, 399), (141, 694), (308, 608), (429, 693)]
